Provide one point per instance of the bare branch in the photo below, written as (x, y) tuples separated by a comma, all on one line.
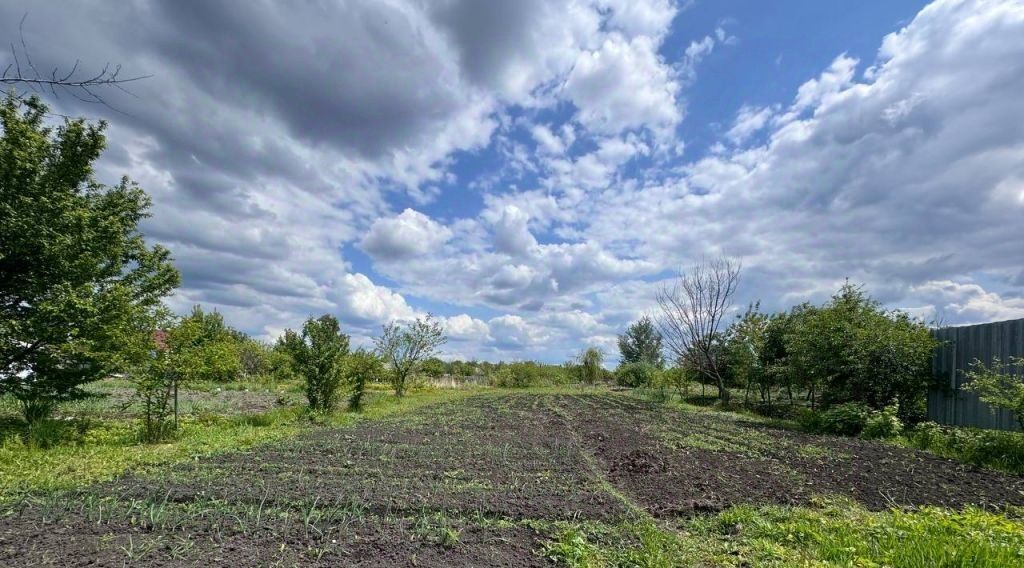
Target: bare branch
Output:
[(692, 312), (82, 88)]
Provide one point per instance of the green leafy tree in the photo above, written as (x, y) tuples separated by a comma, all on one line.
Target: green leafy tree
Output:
[(774, 354), (318, 355), (254, 359), (854, 351), (1000, 384), (204, 348), (745, 346), (405, 348), (76, 275), (361, 368), (433, 368), (590, 365), (641, 343)]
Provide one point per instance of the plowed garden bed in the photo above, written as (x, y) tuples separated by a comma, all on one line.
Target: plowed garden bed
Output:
[(483, 481)]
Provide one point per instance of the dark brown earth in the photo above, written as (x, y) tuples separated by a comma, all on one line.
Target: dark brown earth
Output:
[(644, 451), (476, 482)]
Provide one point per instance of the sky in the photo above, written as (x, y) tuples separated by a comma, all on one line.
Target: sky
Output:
[(532, 172)]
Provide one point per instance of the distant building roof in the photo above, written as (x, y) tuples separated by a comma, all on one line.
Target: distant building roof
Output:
[(160, 339)]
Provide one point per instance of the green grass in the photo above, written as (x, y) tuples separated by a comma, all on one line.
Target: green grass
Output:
[(111, 447), (841, 533), (834, 532), (94, 450), (994, 449)]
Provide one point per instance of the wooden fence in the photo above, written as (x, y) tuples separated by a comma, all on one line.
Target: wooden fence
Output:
[(949, 404)]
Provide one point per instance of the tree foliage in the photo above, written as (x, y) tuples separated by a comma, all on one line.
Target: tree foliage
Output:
[(204, 348), (405, 347), (999, 384), (853, 350), (636, 374), (76, 275), (589, 362), (361, 368), (641, 343), (155, 379), (523, 374), (746, 347), (433, 368), (318, 354)]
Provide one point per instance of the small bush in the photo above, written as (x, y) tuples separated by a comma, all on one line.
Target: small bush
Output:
[(361, 368), (636, 375), (883, 424), (47, 433), (809, 421), (527, 374), (842, 419)]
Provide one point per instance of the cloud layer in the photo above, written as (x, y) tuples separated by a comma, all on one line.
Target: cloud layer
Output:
[(521, 167)]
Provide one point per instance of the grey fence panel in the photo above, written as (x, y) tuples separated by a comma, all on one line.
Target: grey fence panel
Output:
[(958, 348)]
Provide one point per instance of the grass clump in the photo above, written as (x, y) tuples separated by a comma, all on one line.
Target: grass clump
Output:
[(841, 533), (636, 543)]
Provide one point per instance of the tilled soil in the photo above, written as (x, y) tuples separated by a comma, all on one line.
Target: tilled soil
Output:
[(469, 483), (680, 463)]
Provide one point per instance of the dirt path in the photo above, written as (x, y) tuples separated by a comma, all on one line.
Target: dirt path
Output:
[(478, 482)]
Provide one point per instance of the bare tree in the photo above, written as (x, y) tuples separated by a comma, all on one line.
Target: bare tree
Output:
[(22, 71), (692, 311)]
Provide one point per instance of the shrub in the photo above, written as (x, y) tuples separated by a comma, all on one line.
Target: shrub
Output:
[(678, 378), (154, 386), (636, 375), (204, 348), (318, 354), (843, 419), (48, 433), (658, 388), (362, 367), (590, 365), (526, 374), (990, 448), (883, 424), (809, 421)]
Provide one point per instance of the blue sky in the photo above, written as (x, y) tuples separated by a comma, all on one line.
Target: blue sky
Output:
[(532, 172)]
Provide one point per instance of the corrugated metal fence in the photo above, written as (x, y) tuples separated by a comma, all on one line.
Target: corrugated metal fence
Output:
[(960, 346)]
